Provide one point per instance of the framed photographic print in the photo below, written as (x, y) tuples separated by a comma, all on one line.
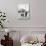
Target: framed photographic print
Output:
[(23, 11)]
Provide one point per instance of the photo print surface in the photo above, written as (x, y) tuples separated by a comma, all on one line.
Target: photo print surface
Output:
[(23, 11)]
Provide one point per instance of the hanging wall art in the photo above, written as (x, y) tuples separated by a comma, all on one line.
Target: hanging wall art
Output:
[(23, 11)]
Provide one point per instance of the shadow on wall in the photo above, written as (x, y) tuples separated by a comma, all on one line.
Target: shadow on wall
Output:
[(15, 37), (16, 43)]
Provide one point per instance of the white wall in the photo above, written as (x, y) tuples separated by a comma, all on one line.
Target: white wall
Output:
[(38, 15)]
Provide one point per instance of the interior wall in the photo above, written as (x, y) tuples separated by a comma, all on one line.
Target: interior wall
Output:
[(37, 13)]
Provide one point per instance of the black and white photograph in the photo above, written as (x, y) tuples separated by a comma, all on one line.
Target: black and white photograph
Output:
[(23, 11)]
